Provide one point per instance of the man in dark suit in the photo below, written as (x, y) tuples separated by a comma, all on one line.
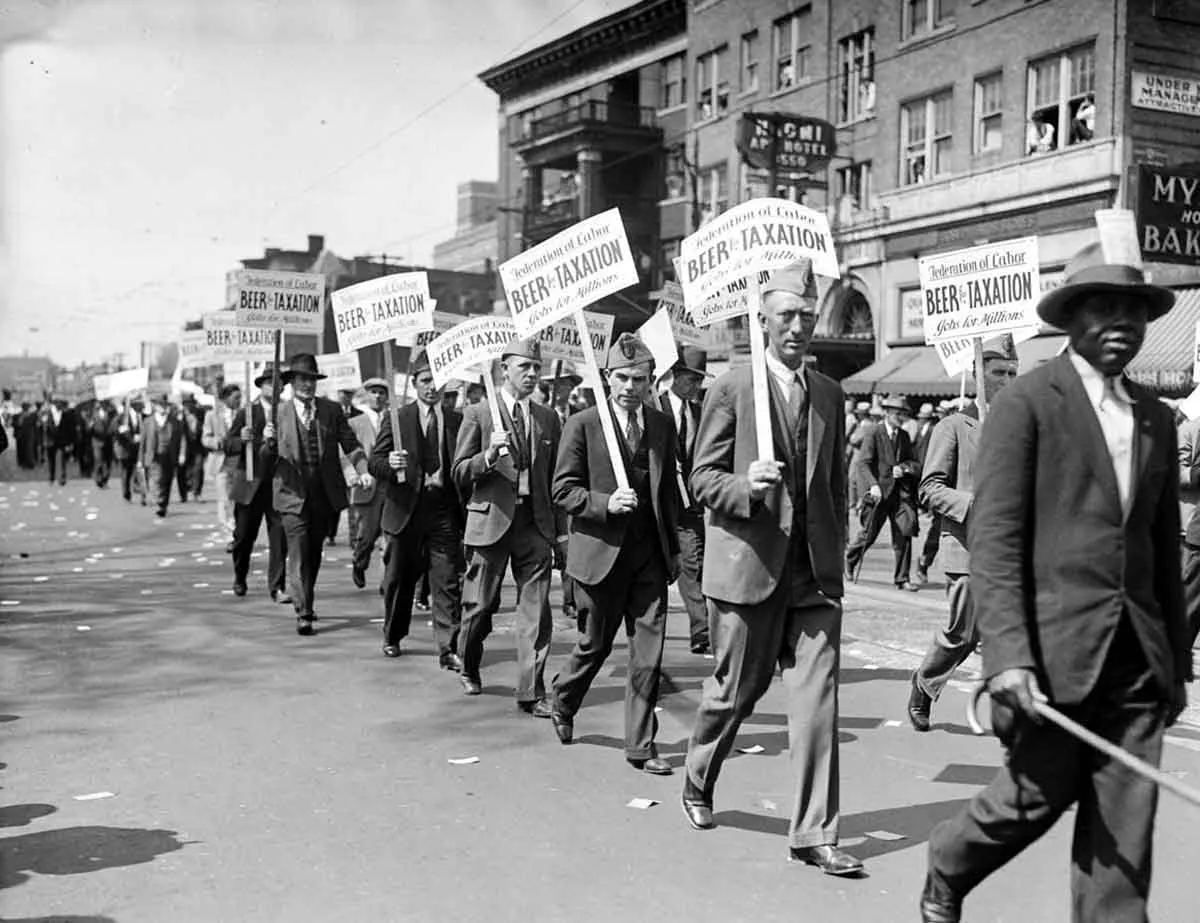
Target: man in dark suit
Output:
[(61, 432), (365, 512), (422, 516), (252, 496), (562, 379), (623, 550), (190, 476), (510, 519), (127, 439), (1075, 575), (1189, 492), (101, 429), (889, 470), (162, 451), (773, 568), (307, 485), (680, 404), (948, 490)]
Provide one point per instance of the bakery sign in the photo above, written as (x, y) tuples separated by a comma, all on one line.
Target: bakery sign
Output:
[(785, 143), (1168, 214), (1165, 92)]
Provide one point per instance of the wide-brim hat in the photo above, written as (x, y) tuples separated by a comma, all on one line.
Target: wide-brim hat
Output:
[(926, 412), (894, 402), (302, 364), (692, 359), (862, 407), (1087, 272), (267, 372), (567, 371)]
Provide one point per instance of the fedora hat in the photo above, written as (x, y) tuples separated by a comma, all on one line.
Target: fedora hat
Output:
[(692, 359), (267, 372), (302, 364), (894, 402), (926, 412), (1087, 273), (566, 371)]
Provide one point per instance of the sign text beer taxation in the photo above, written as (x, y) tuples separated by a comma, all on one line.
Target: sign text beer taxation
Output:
[(288, 301), (983, 290), (379, 310)]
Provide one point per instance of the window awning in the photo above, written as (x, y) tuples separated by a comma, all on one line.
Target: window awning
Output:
[(917, 371), (1165, 360)]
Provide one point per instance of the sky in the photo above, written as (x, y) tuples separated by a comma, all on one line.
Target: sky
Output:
[(147, 146)]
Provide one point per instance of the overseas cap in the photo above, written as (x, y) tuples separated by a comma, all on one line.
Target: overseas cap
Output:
[(629, 350), (797, 278), (525, 349), (1002, 348)]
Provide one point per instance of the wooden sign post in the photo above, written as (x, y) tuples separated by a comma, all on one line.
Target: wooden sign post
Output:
[(591, 372)]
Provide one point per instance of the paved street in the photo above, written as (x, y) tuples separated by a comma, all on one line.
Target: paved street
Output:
[(174, 753)]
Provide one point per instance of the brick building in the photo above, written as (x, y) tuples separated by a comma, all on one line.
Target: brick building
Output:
[(473, 246)]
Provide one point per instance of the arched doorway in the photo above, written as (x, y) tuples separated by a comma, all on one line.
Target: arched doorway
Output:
[(844, 341)]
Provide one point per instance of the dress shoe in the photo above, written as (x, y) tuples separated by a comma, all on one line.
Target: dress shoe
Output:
[(696, 807), (907, 586), (654, 765), (922, 576), (304, 626), (852, 570), (391, 650), (239, 588), (938, 904), (450, 661), (359, 576), (829, 859), (539, 709), (281, 597), (700, 649), (564, 727), (919, 705), (470, 685)]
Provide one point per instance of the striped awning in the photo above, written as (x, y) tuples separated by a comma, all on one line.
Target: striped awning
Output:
[(1165, 360)]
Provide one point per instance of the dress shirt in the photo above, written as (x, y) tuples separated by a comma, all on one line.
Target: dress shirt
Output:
[(376, 418), (678, 411), (509, 403), (623, 421), (55, 415), (305, 413), (1113, 407), (785, 376), (435, 479)]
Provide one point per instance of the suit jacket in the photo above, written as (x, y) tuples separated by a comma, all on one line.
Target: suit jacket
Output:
[(1054, 557), (1189, 480), (746, 542), (684, 461), (127, 426), (584, 480), (920, 443), (65, 433), (878, 457), (490, 494), (242, 490), (288, 487), (400, 497), (948, 483), (161, 444), (365, 430)]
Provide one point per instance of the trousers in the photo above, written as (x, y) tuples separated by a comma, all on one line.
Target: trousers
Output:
[(1191, 589), (690, 532), (248, 518), (884, 511), (952, 644)]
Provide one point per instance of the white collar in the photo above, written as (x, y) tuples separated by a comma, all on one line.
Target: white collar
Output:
[(1093, 380), (510, 402), (623, 415), (783, 373)]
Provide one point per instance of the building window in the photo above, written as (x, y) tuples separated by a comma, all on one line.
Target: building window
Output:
[(989, 104), (920, 17), (675, 174), (673, 81), (926, 138), (668, 250), (856, 76), (714, 191), (790, 50), (854, 185), (1061, 100), (712, 92), (748, 62)]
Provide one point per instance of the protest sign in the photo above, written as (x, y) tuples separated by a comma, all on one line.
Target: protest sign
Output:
[(959, 355), (1196, 355), (732, 301), (379, 310), (560, 341), (343, 370), (670, 298), (476, 341), (569, 271), (760, 234), (591, 378), (659, 338), (981, 291), (118, 384), (1119, 237), (291, 301), (193, 349), (225, 340), (442, 321)]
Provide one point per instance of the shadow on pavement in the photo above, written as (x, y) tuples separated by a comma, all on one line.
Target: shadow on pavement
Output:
[(59, 918), (855, 675), (79, 850), (967, 774), (21, 815)]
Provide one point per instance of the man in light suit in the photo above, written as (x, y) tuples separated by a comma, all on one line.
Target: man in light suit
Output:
[(217, 424), (623, 549), (252, 499), (680, 404), (889, 469), (1075, 575), (162, 450), (948, 490), (511, 519), (422, 516), (307, 484), (366, 500), (773, 569)]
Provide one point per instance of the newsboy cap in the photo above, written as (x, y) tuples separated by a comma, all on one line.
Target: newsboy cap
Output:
[(629, 350), (1088, 273), (796, 278), (375, 383)]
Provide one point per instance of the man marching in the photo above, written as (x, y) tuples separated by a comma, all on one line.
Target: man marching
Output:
[(510, 520), (948, 490), (307, 484), (366, 501), (773, 569), (1076, 581), (162, 451), (422, 516), (623, 549), (127, 441)]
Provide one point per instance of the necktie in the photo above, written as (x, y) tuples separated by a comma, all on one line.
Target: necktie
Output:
[(429, 454), (304, 414), (520, 437), (633, 433), (683, 431)]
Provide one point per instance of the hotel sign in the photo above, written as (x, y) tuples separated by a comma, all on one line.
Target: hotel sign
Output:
[(785, 143), (1165, 92)]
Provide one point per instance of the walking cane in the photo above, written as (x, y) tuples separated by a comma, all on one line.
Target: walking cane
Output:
[(1109, 749)]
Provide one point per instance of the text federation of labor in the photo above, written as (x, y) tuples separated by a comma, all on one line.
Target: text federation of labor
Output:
[(1000, 260), (979, 293)]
